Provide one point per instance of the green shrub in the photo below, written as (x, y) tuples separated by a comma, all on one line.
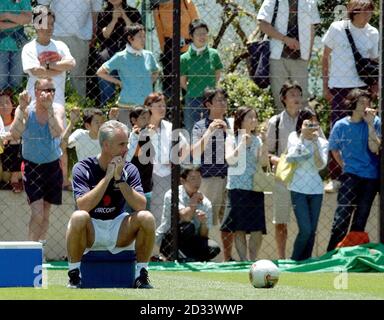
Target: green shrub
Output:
[(243, 92)]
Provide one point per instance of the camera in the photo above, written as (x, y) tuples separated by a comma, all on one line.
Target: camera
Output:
[(312, 126)]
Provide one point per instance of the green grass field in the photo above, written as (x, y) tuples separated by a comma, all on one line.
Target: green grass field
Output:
[(214, 286)]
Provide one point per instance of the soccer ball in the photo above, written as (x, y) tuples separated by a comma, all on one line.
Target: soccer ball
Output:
[(264, 274)]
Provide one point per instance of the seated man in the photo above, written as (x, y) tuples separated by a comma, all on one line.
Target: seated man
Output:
[(102, 185), (195, 219)]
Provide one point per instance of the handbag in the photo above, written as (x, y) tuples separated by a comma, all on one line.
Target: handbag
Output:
[(367, 69), (263, 181), (259, 52), (285, 169)]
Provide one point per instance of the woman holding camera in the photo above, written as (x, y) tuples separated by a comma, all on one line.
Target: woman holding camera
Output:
[(309, 152)]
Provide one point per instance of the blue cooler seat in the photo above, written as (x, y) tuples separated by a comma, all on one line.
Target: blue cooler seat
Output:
[(21, 264), (102, 269)]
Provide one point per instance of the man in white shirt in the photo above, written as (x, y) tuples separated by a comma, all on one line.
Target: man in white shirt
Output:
[(44, 57), (76, 26), (340, 76), (291, 41)]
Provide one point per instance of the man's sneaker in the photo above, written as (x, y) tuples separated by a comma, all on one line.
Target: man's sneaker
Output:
[(142, 281), (74, 279), (332, 186)]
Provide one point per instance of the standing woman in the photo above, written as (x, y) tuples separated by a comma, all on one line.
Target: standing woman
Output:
[(309, 152), (13, 16), (111, 23), (160, 133), (245, 208)]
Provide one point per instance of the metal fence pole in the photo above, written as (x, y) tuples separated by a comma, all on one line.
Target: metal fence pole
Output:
[(381, 86), (175, 122)]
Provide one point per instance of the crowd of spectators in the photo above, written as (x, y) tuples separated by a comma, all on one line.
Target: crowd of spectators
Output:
[(213, 145)]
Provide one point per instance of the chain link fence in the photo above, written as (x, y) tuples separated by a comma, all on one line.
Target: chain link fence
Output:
[(231, 127)]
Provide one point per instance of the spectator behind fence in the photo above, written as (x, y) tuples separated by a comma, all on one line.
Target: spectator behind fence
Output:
[(279, 128), (309, 151), (140, 149), (355, 143), (44, 57), (163, 16), (195, 220), (85, 141), (208, 149), (102, 186), (75, 25), (161, 136), (292, 39), (11, 156), (13, 16), (39, 124), (245, 213), (339, 71), (111, 35), (200, 67), (137, 70)]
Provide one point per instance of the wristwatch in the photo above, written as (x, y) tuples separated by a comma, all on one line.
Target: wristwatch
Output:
[(118, 181)]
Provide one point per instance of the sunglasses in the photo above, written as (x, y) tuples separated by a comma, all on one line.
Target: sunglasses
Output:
[(52, 90)]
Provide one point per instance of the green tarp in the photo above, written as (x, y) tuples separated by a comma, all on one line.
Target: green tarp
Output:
[(364, 258)]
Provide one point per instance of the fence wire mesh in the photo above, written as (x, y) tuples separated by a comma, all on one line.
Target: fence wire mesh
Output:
[(317, 113)]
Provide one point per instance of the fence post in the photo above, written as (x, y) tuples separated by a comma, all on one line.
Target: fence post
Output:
[(381, 95), (175, 122)]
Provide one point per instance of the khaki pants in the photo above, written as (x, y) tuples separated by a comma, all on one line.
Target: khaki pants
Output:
[(214, 189), (288, 69), (282, 204), (80, 51)]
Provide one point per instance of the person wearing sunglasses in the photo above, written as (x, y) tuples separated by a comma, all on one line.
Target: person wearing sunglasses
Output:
[(38, 123)]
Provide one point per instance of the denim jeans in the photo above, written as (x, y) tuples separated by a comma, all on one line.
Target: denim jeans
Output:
[(107, 89), (194, 111), (356, 195), (11, 69), (307, 209)]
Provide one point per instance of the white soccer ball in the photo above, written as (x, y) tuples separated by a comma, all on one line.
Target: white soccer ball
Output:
[(264, 274)]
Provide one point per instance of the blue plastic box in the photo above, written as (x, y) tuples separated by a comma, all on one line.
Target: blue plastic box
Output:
[(102, 269), (21, 264)]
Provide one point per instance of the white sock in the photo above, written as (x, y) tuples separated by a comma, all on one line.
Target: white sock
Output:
[(139, 266), (75, 265)]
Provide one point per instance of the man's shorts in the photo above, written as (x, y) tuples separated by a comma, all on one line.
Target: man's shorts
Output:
[(43, 181), (282, 204), (106, 234)]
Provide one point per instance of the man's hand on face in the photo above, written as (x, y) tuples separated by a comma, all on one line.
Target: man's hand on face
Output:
[(47, 100), (119, 163)]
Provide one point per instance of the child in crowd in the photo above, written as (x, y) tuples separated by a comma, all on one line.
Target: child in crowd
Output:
[(200, 68), (11, 156), (140, 150), (85, 140), (137, 70)]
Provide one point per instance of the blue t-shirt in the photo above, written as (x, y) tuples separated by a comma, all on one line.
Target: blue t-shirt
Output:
[(88, 173), (135, 72), (351, 139)]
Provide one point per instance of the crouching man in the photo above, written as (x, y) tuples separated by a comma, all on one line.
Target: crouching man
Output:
[(101, 186), (195, 220)]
